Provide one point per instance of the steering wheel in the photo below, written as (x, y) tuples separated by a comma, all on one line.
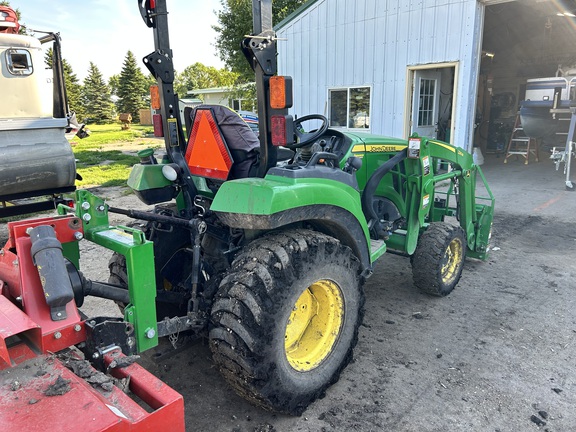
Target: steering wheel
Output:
[(305, 138)]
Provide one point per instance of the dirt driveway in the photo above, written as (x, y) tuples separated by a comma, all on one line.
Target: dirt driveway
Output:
[(496, 355)]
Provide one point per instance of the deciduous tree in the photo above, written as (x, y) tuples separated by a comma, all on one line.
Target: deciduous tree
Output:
[(235, 21), (198, 76)]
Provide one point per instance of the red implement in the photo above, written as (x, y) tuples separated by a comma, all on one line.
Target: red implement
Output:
[(25, 404)]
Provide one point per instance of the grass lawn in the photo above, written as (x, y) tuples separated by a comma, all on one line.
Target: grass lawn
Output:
[(101, 158)]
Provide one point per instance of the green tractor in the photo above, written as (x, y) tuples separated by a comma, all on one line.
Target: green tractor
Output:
[(263, 244)]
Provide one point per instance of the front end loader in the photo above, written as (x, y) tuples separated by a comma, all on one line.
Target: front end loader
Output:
[(262, 244)]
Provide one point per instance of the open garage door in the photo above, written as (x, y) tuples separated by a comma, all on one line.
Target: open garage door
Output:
[(523, 41)]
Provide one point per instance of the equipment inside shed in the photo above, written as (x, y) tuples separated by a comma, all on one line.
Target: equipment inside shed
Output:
[(523, 40)]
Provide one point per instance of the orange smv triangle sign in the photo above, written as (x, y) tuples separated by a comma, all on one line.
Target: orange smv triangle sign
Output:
[(207, 154)]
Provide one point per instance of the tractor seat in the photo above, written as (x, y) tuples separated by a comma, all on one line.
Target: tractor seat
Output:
[(221, 145)]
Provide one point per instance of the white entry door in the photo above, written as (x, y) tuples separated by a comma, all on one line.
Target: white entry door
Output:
[(425, 102)]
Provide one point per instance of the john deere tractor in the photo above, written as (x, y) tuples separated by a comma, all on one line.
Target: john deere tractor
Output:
[(263, 243)]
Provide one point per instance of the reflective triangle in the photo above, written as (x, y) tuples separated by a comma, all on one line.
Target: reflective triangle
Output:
[(207, 154)]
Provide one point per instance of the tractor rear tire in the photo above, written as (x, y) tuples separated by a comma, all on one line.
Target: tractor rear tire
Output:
[(439, 258), (286, 317)]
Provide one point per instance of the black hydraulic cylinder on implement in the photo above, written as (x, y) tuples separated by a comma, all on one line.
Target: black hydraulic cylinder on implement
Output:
[(47, 255)]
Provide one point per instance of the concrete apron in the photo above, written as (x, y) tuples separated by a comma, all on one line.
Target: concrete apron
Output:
[(535, 189)]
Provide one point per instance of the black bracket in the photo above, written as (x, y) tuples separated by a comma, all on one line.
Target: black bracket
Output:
[(262, 49), (160, 66), (104, 334)]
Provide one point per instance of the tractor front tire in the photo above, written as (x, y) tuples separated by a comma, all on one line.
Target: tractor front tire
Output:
[(439, 258), (286, 317)]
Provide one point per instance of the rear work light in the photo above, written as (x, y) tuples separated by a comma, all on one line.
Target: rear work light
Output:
[(282, 130), (280, 92)]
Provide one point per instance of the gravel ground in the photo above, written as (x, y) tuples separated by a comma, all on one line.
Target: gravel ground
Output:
[(496, 355)]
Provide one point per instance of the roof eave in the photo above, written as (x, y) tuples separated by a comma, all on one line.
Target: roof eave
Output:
[(294, 14)]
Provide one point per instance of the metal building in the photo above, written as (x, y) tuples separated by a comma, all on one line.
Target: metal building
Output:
[(430, 66)]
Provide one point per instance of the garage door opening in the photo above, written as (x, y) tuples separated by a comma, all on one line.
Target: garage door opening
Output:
[(523, 41)]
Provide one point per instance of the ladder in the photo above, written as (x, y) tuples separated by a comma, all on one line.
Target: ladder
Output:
[(520, 144), (559, 156)]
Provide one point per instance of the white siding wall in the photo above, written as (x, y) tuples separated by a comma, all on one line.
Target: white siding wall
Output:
[(371, 42)]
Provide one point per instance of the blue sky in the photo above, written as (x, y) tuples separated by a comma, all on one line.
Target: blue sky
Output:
[(102, 31)]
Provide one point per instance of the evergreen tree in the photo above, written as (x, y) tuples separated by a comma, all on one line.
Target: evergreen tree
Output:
[(73, 86), (132, 88), (96, 97)]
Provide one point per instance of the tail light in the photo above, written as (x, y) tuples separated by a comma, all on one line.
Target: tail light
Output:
[(282, 130)]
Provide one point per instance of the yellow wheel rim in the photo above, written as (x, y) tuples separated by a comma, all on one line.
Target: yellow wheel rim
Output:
[(314, 325), (451, 261)]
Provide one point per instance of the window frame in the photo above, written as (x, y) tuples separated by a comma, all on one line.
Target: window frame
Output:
[(18, 71), (348, 90)]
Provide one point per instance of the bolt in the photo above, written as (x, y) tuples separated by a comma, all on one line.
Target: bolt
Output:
[(1, 252), (85, 205), (159, 61), (15, 262), (130, 342), (150, 333), (19, 299), (57, 335), (77, 327), (28, 230), (95, 355), (86, 217), (92, 322), (100, 208), (58, 314), (78, 235)]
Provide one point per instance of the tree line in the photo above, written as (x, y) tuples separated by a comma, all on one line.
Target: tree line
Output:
[(96, 100)]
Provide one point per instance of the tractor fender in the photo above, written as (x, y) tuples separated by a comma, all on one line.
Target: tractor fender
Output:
[(273, 202)]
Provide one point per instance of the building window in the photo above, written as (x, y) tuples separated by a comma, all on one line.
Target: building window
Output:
[(426, 108), (242, 104), (350, 107)]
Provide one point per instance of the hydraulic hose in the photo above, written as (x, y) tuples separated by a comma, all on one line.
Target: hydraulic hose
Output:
[(370, 190)]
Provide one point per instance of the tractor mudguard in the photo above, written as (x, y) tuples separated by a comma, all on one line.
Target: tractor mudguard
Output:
[(331, 206)]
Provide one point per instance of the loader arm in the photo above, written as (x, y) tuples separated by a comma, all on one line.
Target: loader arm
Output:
[(474, 213)]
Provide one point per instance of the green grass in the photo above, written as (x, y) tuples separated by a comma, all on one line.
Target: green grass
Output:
[(98, 160), (105, 168), (102, 135)]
